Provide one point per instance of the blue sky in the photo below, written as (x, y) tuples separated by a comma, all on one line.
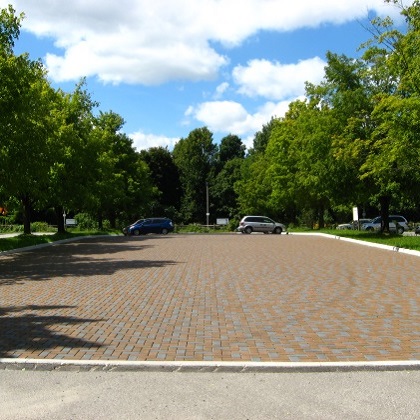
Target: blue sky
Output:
[(170, 66)]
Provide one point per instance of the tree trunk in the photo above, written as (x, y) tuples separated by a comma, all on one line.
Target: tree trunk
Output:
[(384, 203), (100, 221), (112, 219), (321, 219), (59, 211), (26, 203)]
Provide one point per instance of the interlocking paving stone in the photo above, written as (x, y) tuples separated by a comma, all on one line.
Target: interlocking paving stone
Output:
[(256, 298)]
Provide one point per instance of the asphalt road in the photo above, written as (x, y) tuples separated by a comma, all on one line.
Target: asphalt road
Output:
[(194, 395)]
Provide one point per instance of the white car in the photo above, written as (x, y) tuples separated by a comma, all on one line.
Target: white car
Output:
[(353, 224), (397, 224)]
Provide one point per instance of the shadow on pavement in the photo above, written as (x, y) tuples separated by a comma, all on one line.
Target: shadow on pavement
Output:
[(30, 332), (84, 258)]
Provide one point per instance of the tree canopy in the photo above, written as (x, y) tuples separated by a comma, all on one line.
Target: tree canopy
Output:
[(353, 141)]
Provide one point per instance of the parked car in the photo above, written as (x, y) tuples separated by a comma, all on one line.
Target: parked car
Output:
[(353, 224), (397, 224), (264, 224), (151, 225)]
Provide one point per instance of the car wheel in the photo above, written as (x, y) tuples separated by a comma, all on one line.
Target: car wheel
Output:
[(400, 230), (369, 229), (278, 230), (248, 230), (136, 232), (164, 231)]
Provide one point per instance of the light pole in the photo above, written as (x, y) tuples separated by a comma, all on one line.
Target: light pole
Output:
[(207, 204)]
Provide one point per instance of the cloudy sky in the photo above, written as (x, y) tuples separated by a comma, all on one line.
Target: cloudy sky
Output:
[(170, 66)]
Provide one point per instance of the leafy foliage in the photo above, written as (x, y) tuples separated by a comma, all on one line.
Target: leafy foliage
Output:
[(353, 141)]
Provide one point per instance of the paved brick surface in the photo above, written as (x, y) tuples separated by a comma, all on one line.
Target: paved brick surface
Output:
[(210, 298)]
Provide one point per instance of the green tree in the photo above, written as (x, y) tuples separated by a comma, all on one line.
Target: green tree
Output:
[(231, 147), (375, 137), (194, 158), (27, 117), (9, 29), (262, 137), (349, 90), (165, 176), (254, 185), (123, 186), (227, 171), (223, 197), (73, 172)]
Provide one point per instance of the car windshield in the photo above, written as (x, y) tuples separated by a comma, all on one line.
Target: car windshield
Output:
[(138, 222)]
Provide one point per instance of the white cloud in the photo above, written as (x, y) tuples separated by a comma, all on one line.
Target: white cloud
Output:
[(145, 141), (221, 89), (277, 84), (222, 116), (151, 42), (232, 117), (275, 80)]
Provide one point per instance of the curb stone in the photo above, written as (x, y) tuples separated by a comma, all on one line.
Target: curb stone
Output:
[(364, 243), (213, 367)]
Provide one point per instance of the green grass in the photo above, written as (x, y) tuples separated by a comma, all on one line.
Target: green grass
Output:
[(394, 240), (22, 240)]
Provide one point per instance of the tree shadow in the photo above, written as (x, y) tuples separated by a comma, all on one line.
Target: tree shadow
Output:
[(84, 258), (30, 332), (31, 328)]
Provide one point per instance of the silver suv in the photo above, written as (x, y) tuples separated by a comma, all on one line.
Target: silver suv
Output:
[(397, 224), (263, 224)]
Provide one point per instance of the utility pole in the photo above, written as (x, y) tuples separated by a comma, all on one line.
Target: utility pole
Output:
[(207, 203)]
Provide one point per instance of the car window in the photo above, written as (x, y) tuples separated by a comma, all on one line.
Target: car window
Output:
[(267, 220), (148, 222)]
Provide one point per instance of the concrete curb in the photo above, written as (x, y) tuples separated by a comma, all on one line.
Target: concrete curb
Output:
[(191, 366), (365, 243)]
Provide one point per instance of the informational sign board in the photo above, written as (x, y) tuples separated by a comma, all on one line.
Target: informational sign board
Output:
[(355, 213), (222, 221)]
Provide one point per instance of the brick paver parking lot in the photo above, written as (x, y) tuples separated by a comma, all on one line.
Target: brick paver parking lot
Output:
[(277, 298)]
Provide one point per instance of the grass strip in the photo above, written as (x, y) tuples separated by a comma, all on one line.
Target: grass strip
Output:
[(24, 240)]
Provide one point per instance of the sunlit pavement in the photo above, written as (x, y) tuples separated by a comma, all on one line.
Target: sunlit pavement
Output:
[(11, 235), (210, 299)]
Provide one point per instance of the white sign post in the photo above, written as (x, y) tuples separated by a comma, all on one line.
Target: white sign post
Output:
[(356, 218)]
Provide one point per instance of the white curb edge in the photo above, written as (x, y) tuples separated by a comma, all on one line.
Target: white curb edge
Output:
[(210, 366)]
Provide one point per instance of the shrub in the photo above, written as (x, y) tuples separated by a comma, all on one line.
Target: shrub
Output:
[(40, 227), (85, 221)]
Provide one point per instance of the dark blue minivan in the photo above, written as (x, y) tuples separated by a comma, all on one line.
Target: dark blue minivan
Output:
[(152, 225)]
